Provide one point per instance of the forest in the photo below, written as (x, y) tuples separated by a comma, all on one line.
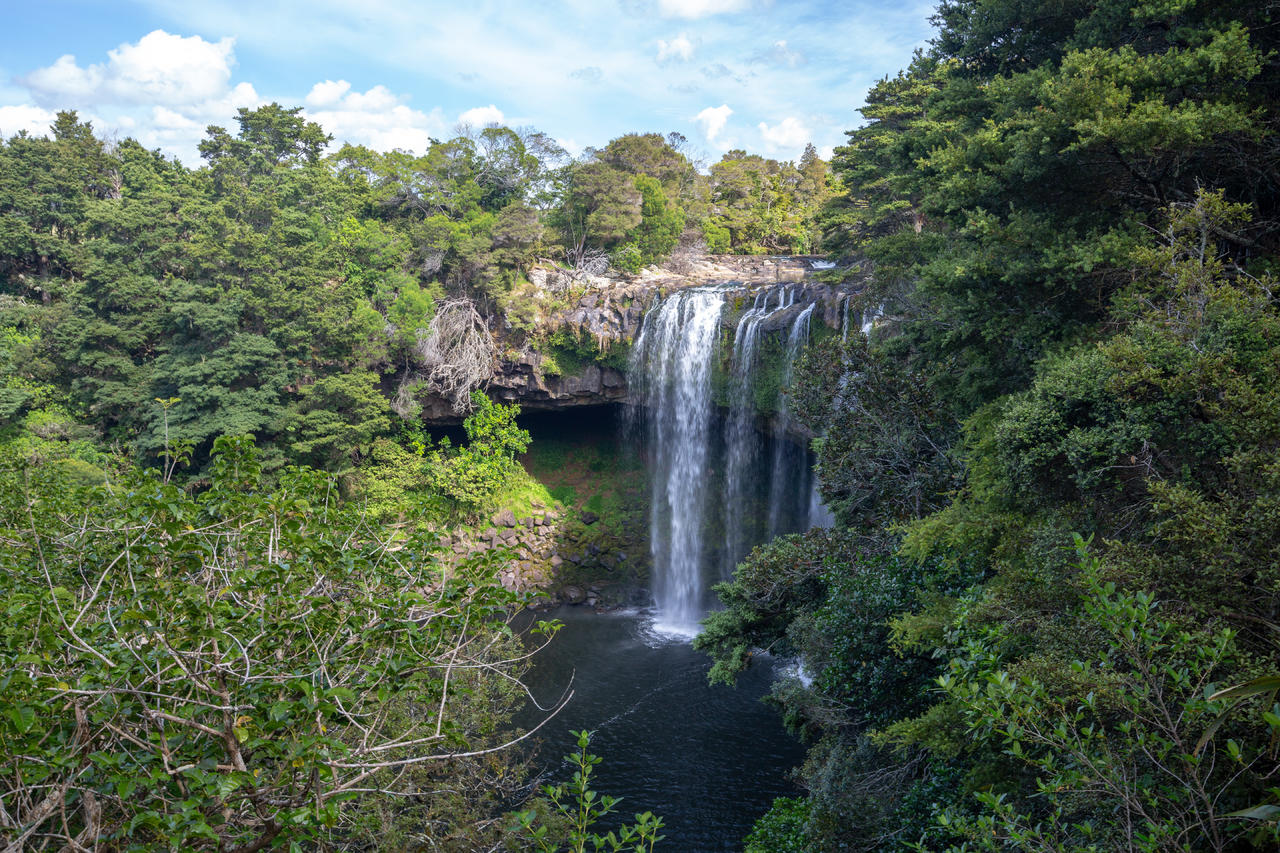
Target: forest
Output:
[(1047, 617)]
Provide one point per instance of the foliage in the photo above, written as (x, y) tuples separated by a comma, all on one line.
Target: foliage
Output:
[(760, 205), (471, 475), (581, 808), (228, 670), (885, 447), (781, 829), (1129, 730), (984, 176)]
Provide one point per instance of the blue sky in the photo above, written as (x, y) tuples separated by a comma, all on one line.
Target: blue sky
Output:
[(765, 75)]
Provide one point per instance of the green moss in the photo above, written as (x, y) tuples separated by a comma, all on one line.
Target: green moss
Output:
[(566, 495), (569, 353)]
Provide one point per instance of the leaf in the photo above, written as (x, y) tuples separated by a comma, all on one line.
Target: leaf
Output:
[(1262, 812), (1265, 684), (23, 716)]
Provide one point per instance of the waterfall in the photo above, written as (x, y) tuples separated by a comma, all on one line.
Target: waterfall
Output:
[(719, 485), (673, 354), (869, 318), (783, 490), (742, 443)]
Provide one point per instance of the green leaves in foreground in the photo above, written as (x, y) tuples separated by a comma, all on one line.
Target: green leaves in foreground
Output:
[(576, 808), (242, 669)]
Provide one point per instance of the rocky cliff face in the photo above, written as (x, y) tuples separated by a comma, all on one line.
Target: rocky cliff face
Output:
[(603, 314)]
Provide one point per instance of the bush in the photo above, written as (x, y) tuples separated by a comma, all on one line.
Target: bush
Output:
[(627, 258), (781, 829), (216, 671), (471, 476)]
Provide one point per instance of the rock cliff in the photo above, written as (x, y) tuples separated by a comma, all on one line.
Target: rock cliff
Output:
[(599, 316)]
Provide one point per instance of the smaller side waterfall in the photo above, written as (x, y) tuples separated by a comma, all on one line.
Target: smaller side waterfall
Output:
[(784, 490), (742, 443), (869, 318)]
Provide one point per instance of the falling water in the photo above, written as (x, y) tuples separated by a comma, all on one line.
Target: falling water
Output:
[(742, 442), (715, 472), (869, 318), (673, 356), (781, 487)]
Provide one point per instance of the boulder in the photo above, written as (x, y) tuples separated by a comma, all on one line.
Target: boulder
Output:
[(505, 518)]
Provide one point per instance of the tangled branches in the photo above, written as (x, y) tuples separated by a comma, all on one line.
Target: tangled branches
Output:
[(257, 680), (457, 352)]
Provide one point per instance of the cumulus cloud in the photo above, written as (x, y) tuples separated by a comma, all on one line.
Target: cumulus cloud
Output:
[(788, 133), (482, 116), (779, 54), (588, 74), (699, 8), (163, 89), (160, 68), (712, 120), (34, 120), (678, 49), (327, 94), (377, 118)]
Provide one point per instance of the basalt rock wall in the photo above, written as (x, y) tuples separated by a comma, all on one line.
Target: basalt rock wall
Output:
[(600, 316)]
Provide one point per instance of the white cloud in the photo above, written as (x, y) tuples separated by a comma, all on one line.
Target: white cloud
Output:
[(376, 118), (712, 120), (699, 8), (160, 68), (33, 120), (588, 74), (63, 82), (164, 118), (482, 116), (327, 94), (679, 48), (788, 133)]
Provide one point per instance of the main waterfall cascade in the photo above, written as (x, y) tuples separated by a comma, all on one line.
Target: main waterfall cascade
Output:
[(719, 486), (673, 355)]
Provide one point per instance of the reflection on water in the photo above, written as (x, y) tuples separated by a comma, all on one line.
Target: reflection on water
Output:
[(709, 760)]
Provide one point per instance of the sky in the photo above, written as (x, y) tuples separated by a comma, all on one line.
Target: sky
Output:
[(765, 75)]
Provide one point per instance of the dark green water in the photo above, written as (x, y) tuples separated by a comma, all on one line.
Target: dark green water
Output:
[(709, 760)]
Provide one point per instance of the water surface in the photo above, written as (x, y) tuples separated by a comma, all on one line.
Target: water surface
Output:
[(708, 760)]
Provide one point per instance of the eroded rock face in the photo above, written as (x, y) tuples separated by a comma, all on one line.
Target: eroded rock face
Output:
[(524, 383), (605, 313)]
